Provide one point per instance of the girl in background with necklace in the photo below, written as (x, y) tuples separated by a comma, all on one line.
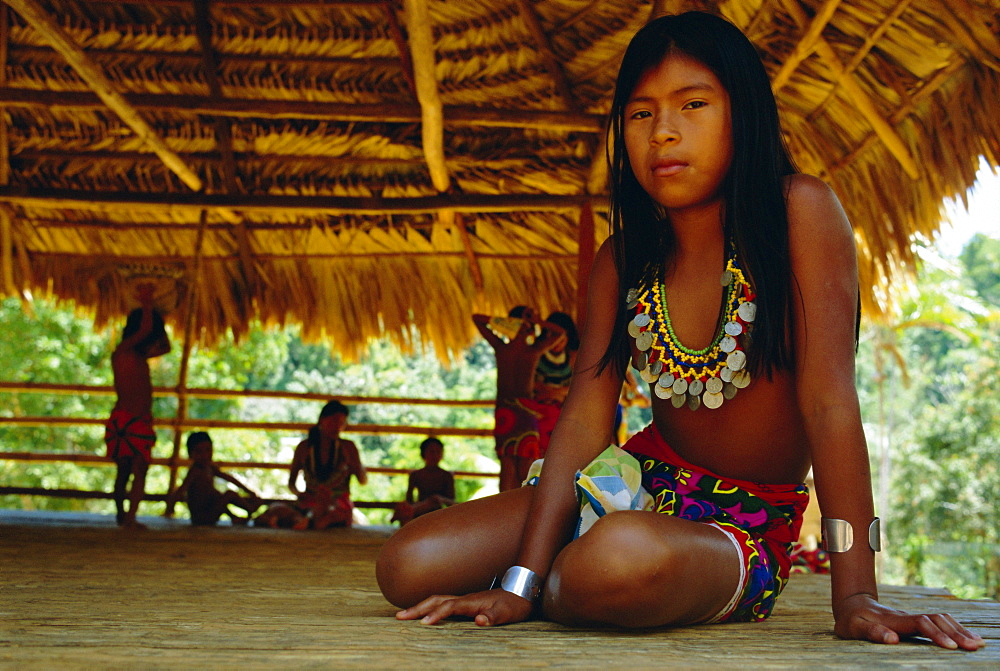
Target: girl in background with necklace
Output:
[(327, 462), (714, 236), (555, 367)]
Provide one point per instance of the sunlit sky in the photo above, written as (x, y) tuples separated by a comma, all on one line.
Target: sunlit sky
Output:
[(983, 215)]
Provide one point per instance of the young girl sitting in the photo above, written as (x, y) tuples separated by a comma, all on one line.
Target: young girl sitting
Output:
[(715, 239)]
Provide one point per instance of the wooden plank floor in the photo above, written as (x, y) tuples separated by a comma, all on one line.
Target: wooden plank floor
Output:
[(77, 592)]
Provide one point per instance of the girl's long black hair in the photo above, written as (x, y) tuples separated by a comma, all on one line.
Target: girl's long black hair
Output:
[(755, 220)]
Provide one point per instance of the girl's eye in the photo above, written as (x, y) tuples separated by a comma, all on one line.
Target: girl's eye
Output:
[(694, 104), (641, 114)]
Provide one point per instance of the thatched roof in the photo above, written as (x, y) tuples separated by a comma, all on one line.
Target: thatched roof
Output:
[(359, 166)]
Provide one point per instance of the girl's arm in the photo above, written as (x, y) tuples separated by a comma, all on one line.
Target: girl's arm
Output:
[(449, 492), (177, 495), (582, 432), (219, 473), (825, 281), (409, 489), (297, 462), (144, 293), (481, 322), (359, 470)]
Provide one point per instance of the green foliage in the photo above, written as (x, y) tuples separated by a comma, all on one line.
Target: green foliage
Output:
[(981, 258), (57, 345), (927, 384)]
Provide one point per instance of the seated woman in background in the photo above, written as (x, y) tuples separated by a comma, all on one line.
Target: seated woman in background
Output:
[(326, 462)]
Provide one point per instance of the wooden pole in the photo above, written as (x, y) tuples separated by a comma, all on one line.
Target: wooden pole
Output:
[(460, 116), (460, 202), (200, 392), (584, 262), (418, 20), (189, 326), (806, 44)]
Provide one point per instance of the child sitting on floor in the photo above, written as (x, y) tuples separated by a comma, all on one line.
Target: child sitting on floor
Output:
[(205, 503), (434, 486)]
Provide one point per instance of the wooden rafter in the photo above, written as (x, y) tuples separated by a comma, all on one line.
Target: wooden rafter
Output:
[(457, 116), (470, 253), (33, 13), (860, 55), (396, 32), (293, 256), (544, 48), (976, 37), (885, 132), (933, 84), (210, 157), (245, 4), (805, 45), (460, 202), (421, 33), (210, 66), (177, 58)]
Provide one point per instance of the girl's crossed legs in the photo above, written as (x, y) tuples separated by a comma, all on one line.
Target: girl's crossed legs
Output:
[(631, 569)]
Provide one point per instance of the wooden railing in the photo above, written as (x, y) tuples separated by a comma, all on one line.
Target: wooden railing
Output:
[(179, 424)]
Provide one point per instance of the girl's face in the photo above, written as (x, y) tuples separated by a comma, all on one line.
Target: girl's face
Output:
[(433, 454), (201, 452), (331, 425), (678, 133)]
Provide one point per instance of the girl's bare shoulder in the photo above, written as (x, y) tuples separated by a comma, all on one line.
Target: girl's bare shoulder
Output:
[(812, 205)]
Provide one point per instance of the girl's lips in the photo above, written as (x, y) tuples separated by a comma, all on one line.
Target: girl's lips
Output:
[(668, 168)]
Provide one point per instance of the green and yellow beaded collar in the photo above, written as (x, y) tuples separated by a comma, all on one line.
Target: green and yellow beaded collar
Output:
[(707, 376)]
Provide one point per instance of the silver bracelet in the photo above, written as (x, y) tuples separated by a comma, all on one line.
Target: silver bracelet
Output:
[(523, 582), (838, 535)]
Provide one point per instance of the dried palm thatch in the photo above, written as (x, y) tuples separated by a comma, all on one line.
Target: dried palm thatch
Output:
[(364, 166)]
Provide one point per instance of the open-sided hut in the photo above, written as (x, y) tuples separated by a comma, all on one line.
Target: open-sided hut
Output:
[(364, 166)]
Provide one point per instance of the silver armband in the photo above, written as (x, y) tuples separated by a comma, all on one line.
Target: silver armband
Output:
[(838, 535), (522, 582)]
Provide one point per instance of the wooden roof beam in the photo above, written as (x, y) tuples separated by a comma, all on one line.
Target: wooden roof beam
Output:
[(32, 12), (458, 116), (418, 22), (885, 132), (247, 4), (940, 78), (288, 205), (860, 55), (470, 254), (396, 32), (183, 58), (971, 32), (298, 256), (549, 60), (806, 44), (210, 66)]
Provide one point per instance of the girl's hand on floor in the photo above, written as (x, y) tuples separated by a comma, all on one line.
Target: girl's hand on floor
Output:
[(488, 608), (862, 617)]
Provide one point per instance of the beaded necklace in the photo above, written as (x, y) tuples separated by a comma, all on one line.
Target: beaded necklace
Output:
[(686, 376)]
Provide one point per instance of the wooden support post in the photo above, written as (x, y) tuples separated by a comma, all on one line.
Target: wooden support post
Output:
[(7, 251), (584, 261), (189, 328)]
